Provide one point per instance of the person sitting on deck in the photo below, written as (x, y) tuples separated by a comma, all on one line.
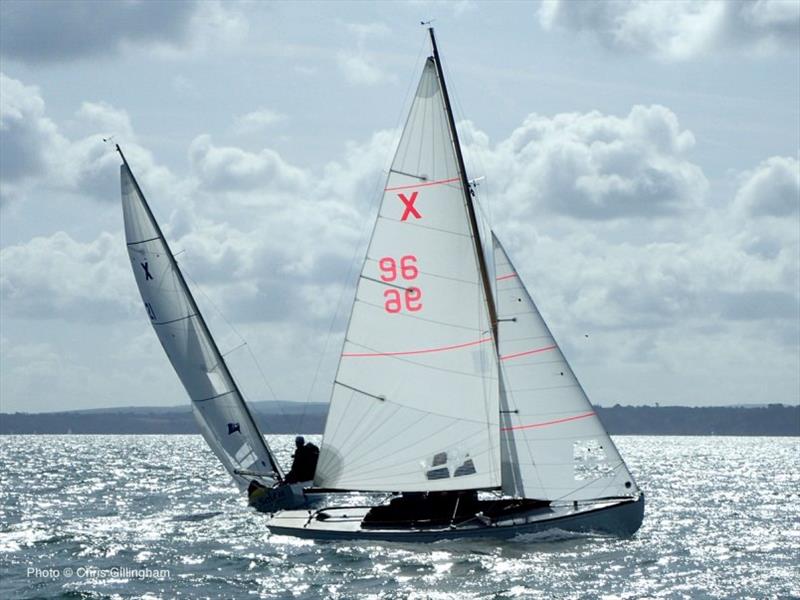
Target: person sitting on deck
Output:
[(304, 461)]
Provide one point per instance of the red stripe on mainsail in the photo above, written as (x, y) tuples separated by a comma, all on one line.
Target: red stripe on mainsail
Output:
[(406, 352), (545, 349), (546, 423), (408, 187), (506, 276)]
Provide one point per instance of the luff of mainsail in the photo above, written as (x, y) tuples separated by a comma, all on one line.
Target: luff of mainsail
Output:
[(415, 400), (217, 404), (554, 445)]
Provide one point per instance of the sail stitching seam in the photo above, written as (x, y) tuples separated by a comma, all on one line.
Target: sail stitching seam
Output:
[(144, 241), (418, 318), (215, 397), (175, 320), (428, 227)]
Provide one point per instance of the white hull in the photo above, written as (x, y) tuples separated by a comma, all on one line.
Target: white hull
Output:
[(620, 518)]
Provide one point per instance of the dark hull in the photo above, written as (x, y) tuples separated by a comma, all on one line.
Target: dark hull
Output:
[(281, 497), (621, 519)]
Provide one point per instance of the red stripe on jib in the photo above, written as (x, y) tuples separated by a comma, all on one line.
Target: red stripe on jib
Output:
[(546, 423), (527, 352), (407, 352), (509, 276)]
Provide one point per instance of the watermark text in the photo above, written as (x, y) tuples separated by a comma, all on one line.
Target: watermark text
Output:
[(92, 572)]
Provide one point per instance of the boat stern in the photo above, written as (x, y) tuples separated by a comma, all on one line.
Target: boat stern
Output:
[(281, 497)]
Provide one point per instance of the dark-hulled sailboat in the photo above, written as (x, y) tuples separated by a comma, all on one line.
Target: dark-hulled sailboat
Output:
[(449, 381)]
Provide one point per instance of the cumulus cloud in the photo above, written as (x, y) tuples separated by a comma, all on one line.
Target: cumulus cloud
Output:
[(358, 68), (771, 189), (355, 177), (575, 196), (608, 220), (214, 27), (226, 167), (33, 370), (567, 226), (595, 166), (257, 120), (57, 277), (106, 119), (279, 227), (667, 316), (55, 30), (27, 132), (671, 290), (44, 31), (680, 30), (358, 65), (365, 30), (456, 8), (245, 223), (35, 155)]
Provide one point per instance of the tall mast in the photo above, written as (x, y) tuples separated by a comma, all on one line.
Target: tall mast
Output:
[(487, 288), (199, 315)]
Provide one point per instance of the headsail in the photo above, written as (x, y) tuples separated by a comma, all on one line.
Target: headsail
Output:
[(554, 446), (224, 419), (415, 400)]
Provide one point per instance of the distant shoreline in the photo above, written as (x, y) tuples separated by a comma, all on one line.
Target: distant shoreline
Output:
[(292, 417)]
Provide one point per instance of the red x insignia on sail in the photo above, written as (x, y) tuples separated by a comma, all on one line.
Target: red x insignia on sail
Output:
[(409, 206)]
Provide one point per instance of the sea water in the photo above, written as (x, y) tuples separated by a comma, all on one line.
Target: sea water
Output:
[(156, 517)]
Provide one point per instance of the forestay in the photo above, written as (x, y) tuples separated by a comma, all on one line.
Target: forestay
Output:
[(554, 446), (225, 421), (415, 400)]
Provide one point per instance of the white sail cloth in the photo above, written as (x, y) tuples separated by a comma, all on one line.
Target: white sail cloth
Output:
[(217, 405), (554, 446), (415, 401)]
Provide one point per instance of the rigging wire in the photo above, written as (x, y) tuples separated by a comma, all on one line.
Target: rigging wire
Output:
[(244, 343), (483, 223), (484, 202), (359, 246)]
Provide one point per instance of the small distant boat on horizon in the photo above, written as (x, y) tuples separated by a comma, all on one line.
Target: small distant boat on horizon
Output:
[(451, 393)]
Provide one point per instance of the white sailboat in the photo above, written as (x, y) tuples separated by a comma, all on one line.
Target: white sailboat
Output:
[(218, 406), (449, 381)]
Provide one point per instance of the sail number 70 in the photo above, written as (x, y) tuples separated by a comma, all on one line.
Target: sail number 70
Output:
[(411, 297)]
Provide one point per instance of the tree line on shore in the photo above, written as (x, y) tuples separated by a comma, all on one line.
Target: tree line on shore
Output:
[(289, 418)]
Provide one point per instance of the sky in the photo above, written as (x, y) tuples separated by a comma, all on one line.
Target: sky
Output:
[(640, 163)]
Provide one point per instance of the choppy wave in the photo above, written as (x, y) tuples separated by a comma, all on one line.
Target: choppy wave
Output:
[(156, 516)]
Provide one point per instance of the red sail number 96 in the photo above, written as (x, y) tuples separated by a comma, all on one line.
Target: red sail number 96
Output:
[(395, 299)]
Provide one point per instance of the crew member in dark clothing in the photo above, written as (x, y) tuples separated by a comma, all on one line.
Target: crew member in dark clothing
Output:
[(304, 463)]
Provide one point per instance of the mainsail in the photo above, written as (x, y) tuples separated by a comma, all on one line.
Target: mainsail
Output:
[(224, 419), (554, 446), (415, 400)]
